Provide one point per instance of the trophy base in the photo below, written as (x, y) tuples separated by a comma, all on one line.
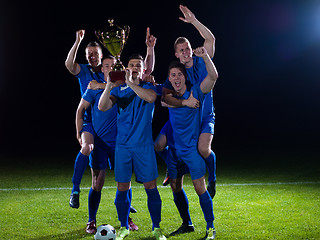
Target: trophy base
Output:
[(117, 76)]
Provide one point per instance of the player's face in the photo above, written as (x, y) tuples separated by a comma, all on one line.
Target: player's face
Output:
[(107, 65), (184, 52), (136, 66), (177, 79), (94, 56)]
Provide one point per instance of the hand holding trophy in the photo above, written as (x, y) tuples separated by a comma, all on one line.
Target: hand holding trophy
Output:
[(114, 38)]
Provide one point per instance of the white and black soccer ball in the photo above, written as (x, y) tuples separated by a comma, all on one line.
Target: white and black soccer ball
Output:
[(105, 232)]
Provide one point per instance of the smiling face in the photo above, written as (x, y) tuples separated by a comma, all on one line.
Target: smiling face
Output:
[(94, 56), (177, 80), (183, 52)]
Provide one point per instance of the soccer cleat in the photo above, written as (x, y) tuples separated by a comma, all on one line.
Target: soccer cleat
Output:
[(74, 200), (211, 234), (91, 227), (122, 233), (158, 234), (212, 188), (133, 210), (166, 180), (132, 225), (183, 229)]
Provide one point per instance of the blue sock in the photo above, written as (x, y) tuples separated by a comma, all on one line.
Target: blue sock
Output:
[(130, 194), (207, 208), (211, 165), (93, 204), (164, 154), (123, 203), (154, 206), (182, 203), (80, 166)]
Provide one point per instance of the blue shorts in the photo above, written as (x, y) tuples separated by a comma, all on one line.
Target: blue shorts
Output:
[(176, 167), (192, 159), (102, 155), (87, 127), (140, 159)]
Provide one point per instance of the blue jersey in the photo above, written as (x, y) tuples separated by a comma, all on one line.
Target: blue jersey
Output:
[(104, 123), (85, 76), (196, 74), (134, 121), (186, 122)]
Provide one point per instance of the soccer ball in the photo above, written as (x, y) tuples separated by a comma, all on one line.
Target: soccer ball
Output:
[(105, 232)]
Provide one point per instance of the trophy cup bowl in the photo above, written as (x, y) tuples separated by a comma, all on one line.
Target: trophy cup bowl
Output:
[(113, 38)]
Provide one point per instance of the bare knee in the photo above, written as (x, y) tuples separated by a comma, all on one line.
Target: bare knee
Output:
[(150, 185), (176, 185), (204, 144), (98, 177), (86, 149), (160, 143), (200, 185)]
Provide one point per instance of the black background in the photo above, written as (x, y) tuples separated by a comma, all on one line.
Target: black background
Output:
[(267, 54)]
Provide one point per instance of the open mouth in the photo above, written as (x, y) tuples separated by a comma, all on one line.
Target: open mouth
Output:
[(177, 84)]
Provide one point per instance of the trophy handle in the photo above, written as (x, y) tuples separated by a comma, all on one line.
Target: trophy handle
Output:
[(127, 31), (99, 35)]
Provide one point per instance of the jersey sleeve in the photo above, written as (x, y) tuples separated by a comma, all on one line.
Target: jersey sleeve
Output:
[(89, 96), (81, 73)]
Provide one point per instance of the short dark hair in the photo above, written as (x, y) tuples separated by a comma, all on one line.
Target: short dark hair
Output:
[(109, 57), (136, 56), (180, 66), (94, 44), (179, 40)]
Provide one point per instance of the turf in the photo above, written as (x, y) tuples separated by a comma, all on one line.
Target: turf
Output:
[(269, 201)]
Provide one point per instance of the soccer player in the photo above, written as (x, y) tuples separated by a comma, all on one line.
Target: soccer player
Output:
[(134, 143), (196, 71), (105, 131), (90, 75), (186, 126)]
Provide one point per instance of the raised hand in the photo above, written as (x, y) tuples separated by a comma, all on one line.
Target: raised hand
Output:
[(200, 52), (80, 35), (150, 39), (188, 15)]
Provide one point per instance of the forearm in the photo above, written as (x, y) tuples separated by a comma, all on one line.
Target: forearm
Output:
[(149, 60), (211, 68), (146, 94), (79, 120), (209, 39), (209, 82), (203, 30), (70, 63), (105, 103)]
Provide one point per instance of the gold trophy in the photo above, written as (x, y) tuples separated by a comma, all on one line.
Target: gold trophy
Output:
[(114, 38)]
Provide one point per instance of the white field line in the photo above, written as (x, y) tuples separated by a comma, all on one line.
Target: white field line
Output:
[(141, 186)]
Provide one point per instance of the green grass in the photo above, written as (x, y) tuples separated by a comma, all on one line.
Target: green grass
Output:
[(281, 210)]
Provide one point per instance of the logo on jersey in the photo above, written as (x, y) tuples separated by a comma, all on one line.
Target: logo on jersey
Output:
[(123, 88)]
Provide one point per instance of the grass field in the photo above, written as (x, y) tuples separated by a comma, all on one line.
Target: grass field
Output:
[(256, 201)]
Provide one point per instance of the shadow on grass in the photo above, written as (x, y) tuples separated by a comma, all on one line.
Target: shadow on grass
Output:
[(75, 234)]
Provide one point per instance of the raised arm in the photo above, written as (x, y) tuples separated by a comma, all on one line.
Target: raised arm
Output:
[(150, 57), (209, 39), (106, 100), (148, 95), (82, 107), (71, 65), (208, 83)]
